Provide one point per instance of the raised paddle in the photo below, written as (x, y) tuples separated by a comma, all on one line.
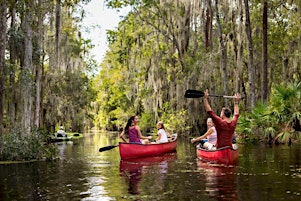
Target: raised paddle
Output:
[(107, 148), (190, 93)]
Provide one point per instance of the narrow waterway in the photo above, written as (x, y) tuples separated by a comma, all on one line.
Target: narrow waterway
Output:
[(83, 173)]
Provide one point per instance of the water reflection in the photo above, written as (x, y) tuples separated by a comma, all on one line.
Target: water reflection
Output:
[(83, 173), (220, 180), (134, 169)]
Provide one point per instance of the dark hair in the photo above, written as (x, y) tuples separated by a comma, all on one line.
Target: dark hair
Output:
[(161, 123), (128, 124), (227, 112)]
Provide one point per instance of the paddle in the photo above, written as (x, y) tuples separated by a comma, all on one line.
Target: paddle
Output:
[(190, 93), (107, 148)]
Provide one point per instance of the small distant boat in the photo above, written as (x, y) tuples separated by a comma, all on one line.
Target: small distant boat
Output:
[(70, 136), (134, 150), (226, 155)]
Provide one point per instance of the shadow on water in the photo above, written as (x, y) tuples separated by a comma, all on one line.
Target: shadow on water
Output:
[(84, 173)]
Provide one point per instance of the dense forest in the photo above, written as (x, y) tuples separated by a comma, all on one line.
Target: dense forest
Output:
[(44, 64), (164, 47), (160, 49)]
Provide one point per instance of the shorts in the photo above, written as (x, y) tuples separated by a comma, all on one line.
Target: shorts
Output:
[(203, 141)]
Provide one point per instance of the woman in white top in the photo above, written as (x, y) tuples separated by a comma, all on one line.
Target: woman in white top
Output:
[(162, 134), (211, 136)]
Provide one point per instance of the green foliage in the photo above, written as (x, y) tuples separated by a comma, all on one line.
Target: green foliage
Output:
[(174, 121), (69, 102), (275, 121), (147, 122), (16, 146)]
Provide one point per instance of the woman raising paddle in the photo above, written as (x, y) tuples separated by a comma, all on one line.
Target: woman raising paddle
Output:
[(132, 130)]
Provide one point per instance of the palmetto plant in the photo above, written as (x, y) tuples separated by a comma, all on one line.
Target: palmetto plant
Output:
[(285, 105), (279, 121), (251, 124)]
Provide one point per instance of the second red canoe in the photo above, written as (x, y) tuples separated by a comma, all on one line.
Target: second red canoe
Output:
[(225, 155)]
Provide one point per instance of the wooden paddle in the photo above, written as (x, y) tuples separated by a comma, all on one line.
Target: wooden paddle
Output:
[(107, 148), (190, 93)]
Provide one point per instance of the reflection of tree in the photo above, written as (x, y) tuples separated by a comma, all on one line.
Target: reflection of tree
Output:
[(219, 181), (134, 169)]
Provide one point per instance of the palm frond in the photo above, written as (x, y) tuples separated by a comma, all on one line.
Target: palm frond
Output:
[(283, 137)]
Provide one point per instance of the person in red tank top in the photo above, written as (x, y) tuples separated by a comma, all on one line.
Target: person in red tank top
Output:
[(225, 126)]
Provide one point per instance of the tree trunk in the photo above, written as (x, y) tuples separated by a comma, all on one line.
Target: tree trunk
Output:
[(27, 87), (223, 51), (240, 47), (208, 26), (251, 69), (39, 64), (11, 95), (264, 85), (3, 27), (298, 63), (57, 33)]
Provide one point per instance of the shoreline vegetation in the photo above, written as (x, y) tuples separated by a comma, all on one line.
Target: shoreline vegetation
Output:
[(17, 147), (274, 122)]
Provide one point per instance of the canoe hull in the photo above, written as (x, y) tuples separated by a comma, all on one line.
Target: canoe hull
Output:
[(133, 150), (226, 155)]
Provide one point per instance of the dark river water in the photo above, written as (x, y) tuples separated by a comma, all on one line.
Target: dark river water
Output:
[(83, 173)]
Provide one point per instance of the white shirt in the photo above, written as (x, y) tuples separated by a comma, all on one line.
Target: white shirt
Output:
[(163, 138), (61, 132)]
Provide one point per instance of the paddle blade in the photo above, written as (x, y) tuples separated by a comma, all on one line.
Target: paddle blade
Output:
[(107, 148), (193, 93)]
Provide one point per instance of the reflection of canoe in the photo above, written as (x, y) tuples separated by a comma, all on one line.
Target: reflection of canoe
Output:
[(225, 155), (70, 136), (133, 150), (134, 169), (217, 169), (136, 163), (219, 179)]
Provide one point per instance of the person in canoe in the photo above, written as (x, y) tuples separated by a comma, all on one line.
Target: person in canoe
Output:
[(225, 126), (162, 134), (132, 130), (61, 132), (207, 140)]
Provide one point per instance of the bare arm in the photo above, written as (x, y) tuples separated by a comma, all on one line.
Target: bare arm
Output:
[(236, 101), (209, 132), (168, 134), (205, 100), (122, 136), (159, 136), (140, 134)]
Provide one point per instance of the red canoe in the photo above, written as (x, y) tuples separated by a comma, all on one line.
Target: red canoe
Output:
[(133, 150), (225, 155)]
